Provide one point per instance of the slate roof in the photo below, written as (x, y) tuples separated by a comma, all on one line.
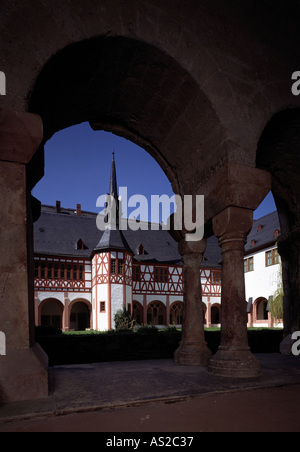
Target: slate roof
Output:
[(57, 234), (263, 237)]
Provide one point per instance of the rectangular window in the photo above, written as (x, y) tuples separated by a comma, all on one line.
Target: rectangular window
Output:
[(43, 269), (272, 257), (75, 272), (113, 266), (216, 278), (120, 267), (136, 273), (56, 271), (50, 267), (62, 271), (161, 275), (36, 269), (102, 306), (249, 265), (80, 272), (276, 256)]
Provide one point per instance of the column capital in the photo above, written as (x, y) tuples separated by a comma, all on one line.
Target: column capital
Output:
[(233, 225), (192, 248), (235, 185), (20, 135)]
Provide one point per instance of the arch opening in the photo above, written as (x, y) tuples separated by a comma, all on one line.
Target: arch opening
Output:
[(135, 90)]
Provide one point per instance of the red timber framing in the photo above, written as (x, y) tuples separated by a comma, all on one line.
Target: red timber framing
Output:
[(211, 281), (160, 280), (157, 279), (114, 268), (63, 274)]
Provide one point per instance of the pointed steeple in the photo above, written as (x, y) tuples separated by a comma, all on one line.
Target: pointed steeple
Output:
[(112, 237), (113, 189), (113, 186)]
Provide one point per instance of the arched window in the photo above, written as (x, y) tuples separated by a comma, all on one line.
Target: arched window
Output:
[(156, 313), (138, 311), (80, 317), (261, 309), (176, 313), (51, 314), (215, 315)]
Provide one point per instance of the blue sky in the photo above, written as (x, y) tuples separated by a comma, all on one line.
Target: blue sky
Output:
[(77, 170)]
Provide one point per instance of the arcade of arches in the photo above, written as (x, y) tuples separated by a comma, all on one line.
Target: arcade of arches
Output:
[(77, 317), (205, 88)]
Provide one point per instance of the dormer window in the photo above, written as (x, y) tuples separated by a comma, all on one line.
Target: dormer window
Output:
[(80, 245), (259, 228), (253, 242), (141, 250), (276, 233)]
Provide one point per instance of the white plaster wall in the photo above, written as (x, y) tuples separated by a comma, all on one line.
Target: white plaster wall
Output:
[(139, 298), (128, 295), (60, 296), (102, 292), (263, 281), (174, 298), (79, 296), (162, 298), (116, 301)]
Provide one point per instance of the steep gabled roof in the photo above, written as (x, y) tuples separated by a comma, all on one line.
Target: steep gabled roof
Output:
[(57, 234), (262, 233)]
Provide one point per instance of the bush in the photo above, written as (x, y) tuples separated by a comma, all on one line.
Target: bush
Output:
[(148, 329), (45, 331), (146, 343), (124, 321)]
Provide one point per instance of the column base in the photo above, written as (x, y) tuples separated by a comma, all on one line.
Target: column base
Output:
[(24, 375), (234, 362), (192, 354)]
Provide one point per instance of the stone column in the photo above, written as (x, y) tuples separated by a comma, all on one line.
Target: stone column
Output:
[(234, 358), (23, 371), (193, 349), (289, 250)]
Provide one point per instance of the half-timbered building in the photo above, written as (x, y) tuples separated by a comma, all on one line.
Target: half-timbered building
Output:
[(84, 276)]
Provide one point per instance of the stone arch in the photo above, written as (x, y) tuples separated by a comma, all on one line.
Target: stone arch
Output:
[(135, 90), (156, 313), (260, 310), (138, 312), (279, 153), (50, 313), (80, 314), (176, 313), (216, 314), (205, 311)]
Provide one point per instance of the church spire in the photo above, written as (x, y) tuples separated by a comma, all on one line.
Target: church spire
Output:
[(113, 238), (113, 187)]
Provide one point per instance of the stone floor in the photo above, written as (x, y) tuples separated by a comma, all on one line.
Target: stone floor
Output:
[(114, 387)]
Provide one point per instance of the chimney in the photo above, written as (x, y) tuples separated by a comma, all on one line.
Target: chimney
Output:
[(78, 210), (58, 206)]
